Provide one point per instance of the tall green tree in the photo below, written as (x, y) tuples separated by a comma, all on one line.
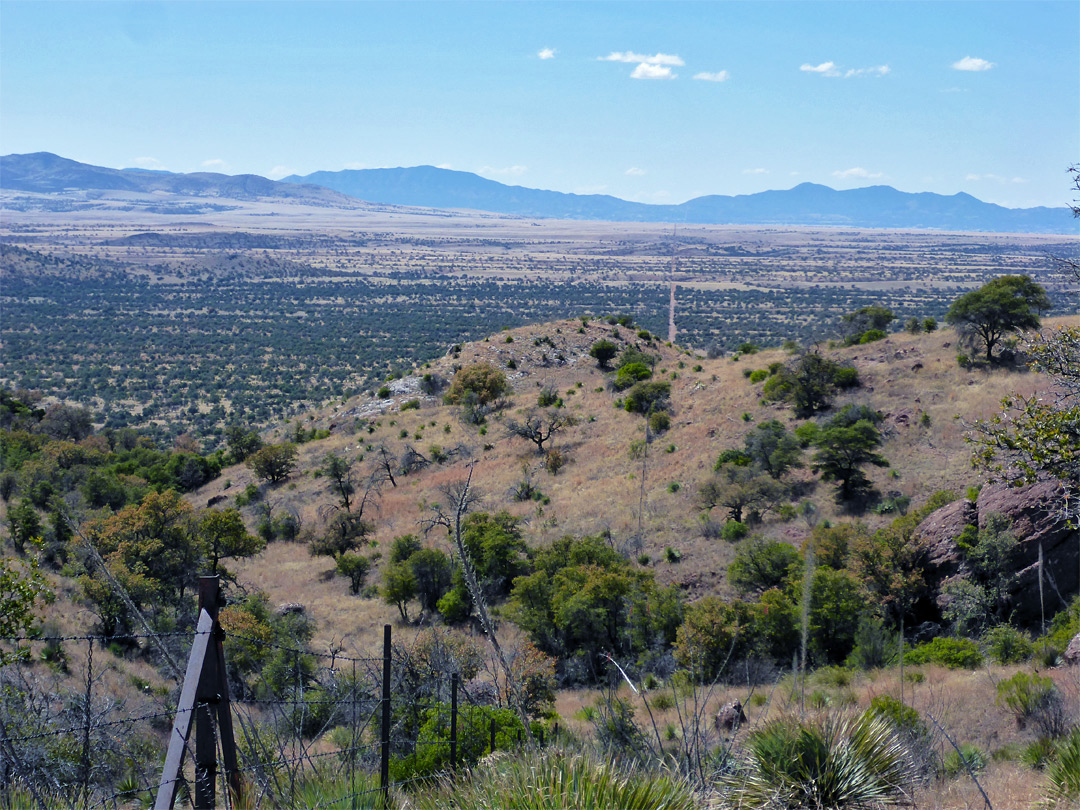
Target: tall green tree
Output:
[(274, 463), (1001, 306), (844, 447)]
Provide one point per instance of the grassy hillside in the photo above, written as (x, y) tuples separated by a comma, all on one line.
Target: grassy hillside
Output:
[(600, 487)]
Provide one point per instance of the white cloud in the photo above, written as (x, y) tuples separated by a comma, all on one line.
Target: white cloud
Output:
[(215, 165), (879, 70), (546, 53), (857, 172), (446, 166), (755, 171), (600, 189), (278, 172), (634, 171), (994, 178), (831, 70), (722, 76), (824, 69), (508, 171), (648, 71), (973, 64), (355, 164), (630, 57)]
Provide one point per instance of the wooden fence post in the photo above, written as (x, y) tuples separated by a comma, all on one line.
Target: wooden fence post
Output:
[(384, 754), (205, 693)]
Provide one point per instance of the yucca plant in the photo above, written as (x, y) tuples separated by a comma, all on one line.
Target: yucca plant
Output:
[(557, 781), (840, 763), (1063, 771)]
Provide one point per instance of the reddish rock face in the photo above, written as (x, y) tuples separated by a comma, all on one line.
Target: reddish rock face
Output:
[(1038, 518)]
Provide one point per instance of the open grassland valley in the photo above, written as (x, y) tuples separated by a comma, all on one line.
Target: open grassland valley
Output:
[(538, 518)]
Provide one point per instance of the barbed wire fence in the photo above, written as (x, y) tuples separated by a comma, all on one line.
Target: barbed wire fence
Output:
[(318, 730)]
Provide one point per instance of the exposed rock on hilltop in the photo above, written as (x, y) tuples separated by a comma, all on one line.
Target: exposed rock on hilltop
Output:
[(1037, 515)]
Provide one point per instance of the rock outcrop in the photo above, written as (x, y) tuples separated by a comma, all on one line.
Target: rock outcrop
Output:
[(1037, 515)]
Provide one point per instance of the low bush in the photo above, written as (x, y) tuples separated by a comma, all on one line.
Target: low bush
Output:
[(1007, 645), (954, 653)]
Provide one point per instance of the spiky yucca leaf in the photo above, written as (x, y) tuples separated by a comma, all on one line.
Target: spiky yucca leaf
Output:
[(1063, 771), (557, 781), (840, 762)]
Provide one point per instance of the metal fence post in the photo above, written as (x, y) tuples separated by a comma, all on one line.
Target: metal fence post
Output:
[(384, 754), (453, 721)]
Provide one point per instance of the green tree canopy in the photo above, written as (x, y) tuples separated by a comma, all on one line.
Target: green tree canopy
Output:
[(843, 448), (274, 463), (603, 351), (1003, 305)]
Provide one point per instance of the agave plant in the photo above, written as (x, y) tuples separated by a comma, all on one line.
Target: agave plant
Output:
[(840, 763), (557, 781)]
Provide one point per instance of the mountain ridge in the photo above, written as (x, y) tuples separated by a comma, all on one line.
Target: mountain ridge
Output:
[(806, 204)]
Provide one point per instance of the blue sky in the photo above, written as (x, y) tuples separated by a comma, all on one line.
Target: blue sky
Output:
[(650, 101)]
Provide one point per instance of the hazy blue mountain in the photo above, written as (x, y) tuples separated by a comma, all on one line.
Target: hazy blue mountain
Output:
[(44, 172), (429, 187), (806, 204)]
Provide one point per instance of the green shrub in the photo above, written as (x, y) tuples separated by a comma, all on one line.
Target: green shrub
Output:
[(1007, 645), (410, 405), (905, 720), (383, 393), (1039, 754), (758, 375), (872, 335), (659, 422), (954, 653), (974, 759), (1034, 699), (734, 531)]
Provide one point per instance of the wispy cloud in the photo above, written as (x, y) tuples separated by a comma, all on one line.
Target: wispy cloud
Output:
[(824, 69), (634, 171), (972, 64), (857, 172), (669, 59), (507, 171), (721, 76), (546, 53), (355, 164), (833, 71), (444, 166), (278, 172), (647, 71), (214, 165), (598, 189), (148, 163), (878, 70), (755, 171), (994, 178)]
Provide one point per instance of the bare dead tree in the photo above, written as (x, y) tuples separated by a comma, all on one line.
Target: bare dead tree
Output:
[(460, 499), (539, 426)]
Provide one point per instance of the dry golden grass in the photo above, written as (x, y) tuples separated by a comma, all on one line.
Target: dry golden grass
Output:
[(600, 489)]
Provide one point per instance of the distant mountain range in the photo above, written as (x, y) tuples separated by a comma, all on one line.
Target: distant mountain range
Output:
[(428, 187), (806, 204), (46, 173)]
